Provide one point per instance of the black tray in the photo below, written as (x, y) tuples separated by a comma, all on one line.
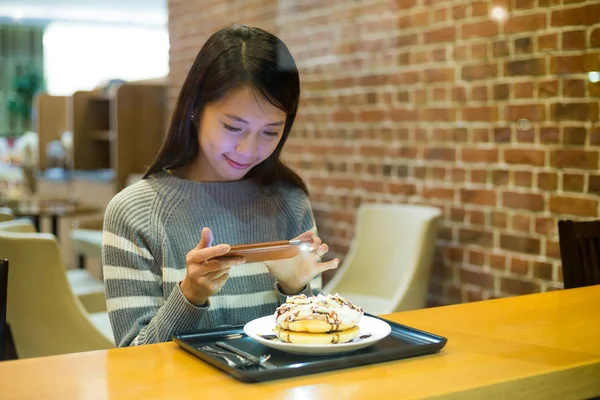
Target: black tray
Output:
[(402, 342)]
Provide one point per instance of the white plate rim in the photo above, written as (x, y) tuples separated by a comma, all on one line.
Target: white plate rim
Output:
[(363, 343)]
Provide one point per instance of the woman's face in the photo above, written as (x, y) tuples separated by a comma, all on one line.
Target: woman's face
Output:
[(237, 133)]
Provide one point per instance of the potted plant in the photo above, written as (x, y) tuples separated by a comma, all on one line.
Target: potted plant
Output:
[(25, 85)]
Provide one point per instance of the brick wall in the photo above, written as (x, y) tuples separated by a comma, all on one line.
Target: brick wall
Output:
[(434, 102)]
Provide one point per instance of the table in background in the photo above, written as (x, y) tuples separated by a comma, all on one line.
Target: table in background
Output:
[(53, 208)]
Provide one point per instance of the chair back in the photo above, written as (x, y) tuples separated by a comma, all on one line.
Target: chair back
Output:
[(6, 214), (3, 294), (579, 243), (17, 225), (44, 315), (390, 256)]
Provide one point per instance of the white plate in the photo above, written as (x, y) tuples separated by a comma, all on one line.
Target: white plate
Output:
[(377, 328)]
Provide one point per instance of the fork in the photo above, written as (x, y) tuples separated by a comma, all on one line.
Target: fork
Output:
[(242, 363)]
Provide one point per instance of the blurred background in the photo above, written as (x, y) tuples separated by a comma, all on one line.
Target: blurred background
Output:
[(486, 109)]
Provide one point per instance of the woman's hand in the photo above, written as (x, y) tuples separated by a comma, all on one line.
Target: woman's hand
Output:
[(295, 273), (205, 278)]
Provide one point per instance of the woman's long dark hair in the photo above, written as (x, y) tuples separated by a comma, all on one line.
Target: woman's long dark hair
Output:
[(231, 58)]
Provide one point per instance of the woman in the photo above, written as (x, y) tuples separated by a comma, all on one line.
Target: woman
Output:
[(217, 181)]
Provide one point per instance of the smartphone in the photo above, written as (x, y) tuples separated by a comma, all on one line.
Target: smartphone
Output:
[(268, 251)]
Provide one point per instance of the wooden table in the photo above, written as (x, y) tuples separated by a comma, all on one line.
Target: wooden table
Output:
[(535, 347)]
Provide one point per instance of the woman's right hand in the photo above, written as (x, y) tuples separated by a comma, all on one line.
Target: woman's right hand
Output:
[(205, 278)]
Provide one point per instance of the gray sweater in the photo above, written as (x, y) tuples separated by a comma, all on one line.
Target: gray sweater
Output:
[(150, 226)]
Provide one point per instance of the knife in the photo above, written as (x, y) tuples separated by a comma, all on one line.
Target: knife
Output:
[(242, 353)]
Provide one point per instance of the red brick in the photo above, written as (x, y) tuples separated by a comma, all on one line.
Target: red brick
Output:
[(479, 8), (478, 72), (498, 262), (552, 249), (574, 88), (532, 112), (500, 177), (476, 258), (525, 4), (343, 116), (575, 111), (542, 270), (573, 40), (408, 189), (479, 155), (524, 156), (547, 42), (545, 226), (548, 88), (372, 116), (530, 67), (476, 218), (438, 193), (440, 35), (574, 64), (547, 181), (483, 29), (522, 244), (572, 182), (439, 75), (523, 201), (521, 223), (518, 286), (440, 153), (523, 90), (499, 219), (482, 113), (549, 135), (595, 38), (519, 266), (459, 11), (480, 197), (480, 279), (501, 91), (594, 184), (480, 93), (522, 178), (479, 51), (476, 237), (574, 206), (525, 23), (574, 159), (580, 16)]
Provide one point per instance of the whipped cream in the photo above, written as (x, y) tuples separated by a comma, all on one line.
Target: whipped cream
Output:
[(334, 309)]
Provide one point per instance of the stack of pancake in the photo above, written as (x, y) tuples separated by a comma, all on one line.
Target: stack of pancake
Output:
[(317, 320)]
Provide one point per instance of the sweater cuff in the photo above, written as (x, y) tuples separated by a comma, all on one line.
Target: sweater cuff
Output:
[(179, 314), (307, 291)]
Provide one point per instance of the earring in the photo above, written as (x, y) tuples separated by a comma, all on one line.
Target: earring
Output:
[(193, 117)]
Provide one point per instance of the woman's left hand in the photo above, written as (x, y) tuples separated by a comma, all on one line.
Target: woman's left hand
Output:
[(295, 273)]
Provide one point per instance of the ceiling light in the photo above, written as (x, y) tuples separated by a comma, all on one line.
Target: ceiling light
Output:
[(594, 76), (499, 13)]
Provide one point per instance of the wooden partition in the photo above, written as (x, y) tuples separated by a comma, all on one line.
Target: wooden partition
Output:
[(140, 111), (122, 130), (88, 119), (50, 121)]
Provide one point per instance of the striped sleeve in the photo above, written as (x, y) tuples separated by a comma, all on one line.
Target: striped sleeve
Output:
[(139, 311)]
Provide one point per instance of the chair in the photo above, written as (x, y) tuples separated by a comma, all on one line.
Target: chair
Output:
[(3, 293), (388, 266), (6, 214), (579, 243), (86, 237), (84, 285), (45, 316)]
